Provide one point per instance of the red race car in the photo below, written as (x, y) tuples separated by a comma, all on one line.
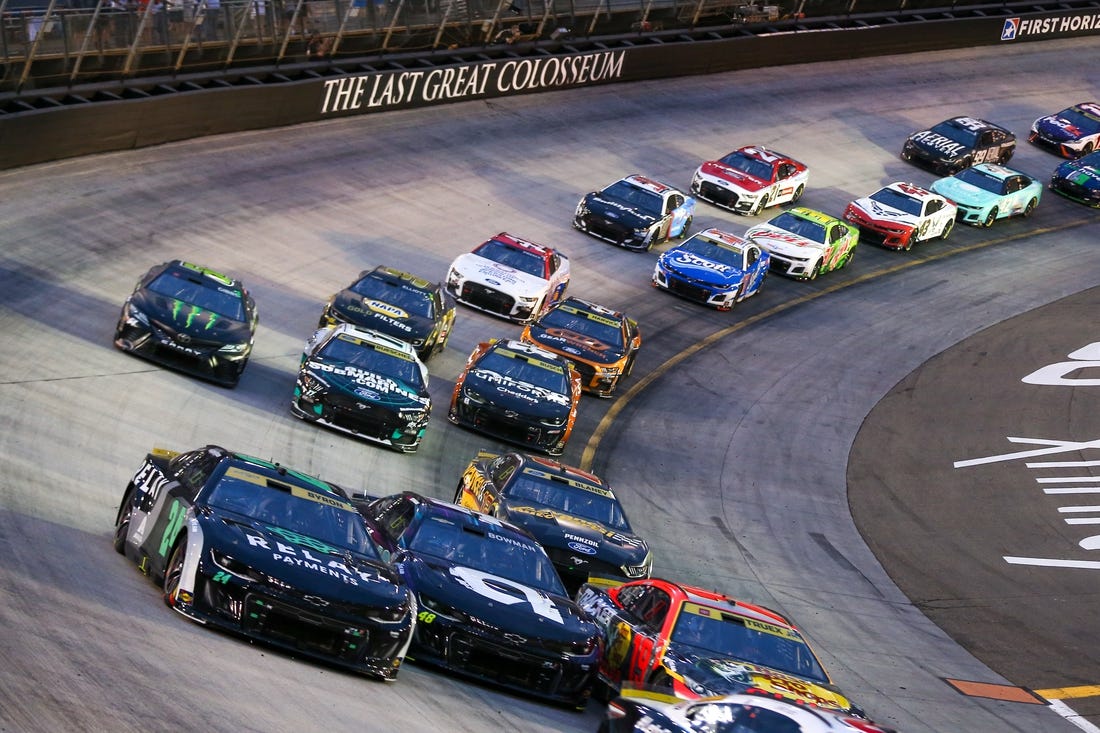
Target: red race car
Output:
[(750, 179), (695, 643)]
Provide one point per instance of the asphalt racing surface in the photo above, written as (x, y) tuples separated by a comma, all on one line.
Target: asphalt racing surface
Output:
[(752, 448)]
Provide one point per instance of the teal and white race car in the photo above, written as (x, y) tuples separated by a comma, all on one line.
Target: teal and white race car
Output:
[(987, 192)]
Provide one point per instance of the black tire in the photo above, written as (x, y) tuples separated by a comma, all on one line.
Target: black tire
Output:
[(848, 258), (947, 229), (1029, 208), (813, 273), (990, 217), (798, 193), (122, 520), (909, 242), (760, 206), (174, 571), (458, 493), (629, 367), (684, 232), (1006, 155), (1085, 150)]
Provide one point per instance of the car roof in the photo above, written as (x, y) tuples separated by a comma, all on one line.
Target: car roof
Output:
[(649, 184), (428, 506), (524, 244), (527, 349), (391, 274), (562, 471), (218, 278), (813, 215), (375, 338), (258, 470), (910, 189), (722, 237), (720, 601), (971, 123), (587, 305)]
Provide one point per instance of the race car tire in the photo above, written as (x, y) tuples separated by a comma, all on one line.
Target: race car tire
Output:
[(1030, 208), (1006, 156), (760, 206), (122, 520), (947, 229), (848, 258), (990, 217), (814, 272), (909, 242), (798, 193), (684, 232), (629, 366), (1085, 150), (174, 571)]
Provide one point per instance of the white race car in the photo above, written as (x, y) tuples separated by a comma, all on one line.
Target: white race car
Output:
[(750, 179), (510, 277), (901, 214)]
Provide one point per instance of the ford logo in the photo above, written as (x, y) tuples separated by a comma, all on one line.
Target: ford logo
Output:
[(582, 548)]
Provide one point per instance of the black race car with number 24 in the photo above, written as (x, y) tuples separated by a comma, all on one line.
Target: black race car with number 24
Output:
[(261, 550)]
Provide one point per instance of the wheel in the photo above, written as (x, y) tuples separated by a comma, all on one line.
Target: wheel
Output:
[(1085, 150), (629, 367), (947, 229), (684, 232), (122, 520), (174, 572), (1029, 208), (909, 242), (813, 272), (760, 206), (990, 217), (848, 258), (798, 193), (1006, 155), (458, 494)]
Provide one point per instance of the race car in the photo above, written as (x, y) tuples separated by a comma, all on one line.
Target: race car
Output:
[(959, 143), (713, 267), (261, 550), (519, 393), (397, 304), (572, 513), (694, 643), (635, 212), (601, 343), (192, 319), (750, 179), (364, 383), (899, 215), (509, 277), (492, 607), (986, 192), (641, 711), (804, 243), (1071, 133), (1079, 180)]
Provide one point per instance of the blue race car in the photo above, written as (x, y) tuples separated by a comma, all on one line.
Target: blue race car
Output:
[(1071, 133), (713, 267), (635, 212), (987, 192), (1079, 180)]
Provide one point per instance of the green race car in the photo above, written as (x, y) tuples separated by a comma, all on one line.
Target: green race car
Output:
[(804, 243)]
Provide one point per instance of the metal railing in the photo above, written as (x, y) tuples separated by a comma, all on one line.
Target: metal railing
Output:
[(60, 46)]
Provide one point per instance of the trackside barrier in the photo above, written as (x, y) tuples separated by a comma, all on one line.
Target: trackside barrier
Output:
[(69, 128)]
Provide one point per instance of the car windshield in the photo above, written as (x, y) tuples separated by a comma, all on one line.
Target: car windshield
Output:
[(1084, 120), (414, 300), (982, 180), (710, 250), (505, 554), (200, 292), (599, 328), (634, 197), (373, 358), (746, 164), (898, 200), (728, 635), (570, 497), (802, 227), (514, 257), (730, 717), (320, 516), (954, 131), (530, 369)]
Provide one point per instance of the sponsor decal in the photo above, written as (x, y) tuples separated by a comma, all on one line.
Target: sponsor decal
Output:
[(385, 308), (299, 555), (492, 587), (389, 90), (1015, 28), (939, 143), (526, 391), (501, 273), (581, 548), (690, 258), (364, 378), (583, 540)]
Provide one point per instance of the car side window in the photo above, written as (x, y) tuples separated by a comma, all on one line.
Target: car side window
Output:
[(395, 518), (933, 206), (652, 607), (835, 234), (675, 201), (752, 255), (555, 262), (193, 469), (502, 469)]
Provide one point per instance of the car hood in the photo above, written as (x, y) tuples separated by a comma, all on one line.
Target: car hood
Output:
[(366, 385), (498, 603), (185, 318), (722, 675), (552, 528), (699, 268), (614, 210), (306, 564), (381, 316), (938, 146), (1058, 128), (781, 241), (962, 192), (500, 277), (1080, 173), (734, 178), (881, 212), (575, 345), (511, 394)]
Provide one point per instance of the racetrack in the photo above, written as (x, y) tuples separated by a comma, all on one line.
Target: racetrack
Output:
[(732, 459)]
